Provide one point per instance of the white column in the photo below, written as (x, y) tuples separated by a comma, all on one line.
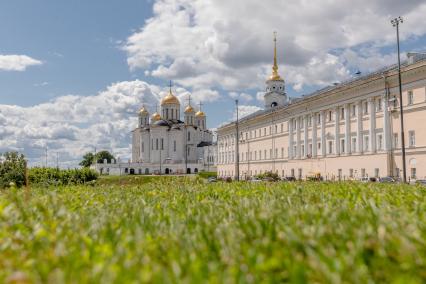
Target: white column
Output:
[(372, 125), (359, 136), (305, 138), (290, 139), (337, 131), (386, 122), (314, 135), (347, 129), (323, 140), (297, 137)]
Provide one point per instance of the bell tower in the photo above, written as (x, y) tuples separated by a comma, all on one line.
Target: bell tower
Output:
[(275, 86)]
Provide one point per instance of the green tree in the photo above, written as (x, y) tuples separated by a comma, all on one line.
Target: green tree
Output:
[(12, 169), (100, 156), (88, 159)]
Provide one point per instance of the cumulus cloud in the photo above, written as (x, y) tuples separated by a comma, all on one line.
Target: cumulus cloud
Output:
[(72, 125), (17, 62), (216, 43)]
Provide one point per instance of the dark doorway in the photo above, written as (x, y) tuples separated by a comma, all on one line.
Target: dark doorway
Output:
[(188, 170), (132, 171), (167, 171), (195, 170)]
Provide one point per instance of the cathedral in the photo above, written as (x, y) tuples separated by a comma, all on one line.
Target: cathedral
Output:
[(164, 144)]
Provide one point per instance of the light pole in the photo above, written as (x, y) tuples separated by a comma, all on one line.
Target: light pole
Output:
[(395, 22), (237, 156)]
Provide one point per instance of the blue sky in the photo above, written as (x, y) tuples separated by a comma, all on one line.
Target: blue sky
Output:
[(74, 73)]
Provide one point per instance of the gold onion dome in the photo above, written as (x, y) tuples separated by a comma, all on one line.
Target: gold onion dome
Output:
[(156, 116), (200, 114), (275, 76), (189, 109), (143, 110), (170, 98)]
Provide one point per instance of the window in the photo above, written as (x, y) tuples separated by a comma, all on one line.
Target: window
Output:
[(363, 172), (189, 136), (310, 149), (276, 128), (270, 154), (339, 174), (376, 172), (319, 118), (319, 145), (342, 113), (143, 147), (353, 110), (282, 152), (330, 147), (156, 144), (395, 140), (174, 145), (342, 146), (329, 115), (351, 173), (410, 97), (412, 138), (353, 148), (303, 151), (413, 173), (379, 105), (366, 142), (365, 107), (310, 121), (380, 142), (162, 144)]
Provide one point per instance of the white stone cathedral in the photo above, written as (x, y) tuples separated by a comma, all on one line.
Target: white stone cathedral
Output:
[(164, 144)]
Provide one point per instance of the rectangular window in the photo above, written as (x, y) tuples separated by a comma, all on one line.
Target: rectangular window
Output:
[(362, 172), (174, 145), (412, 138), (189, 136), (379, 105), (319, 118), (366, 142), (413, 173), (379, 142), (282, 152), (410, 97), (342, 146), (342, 113), (162, 144), (156, 144), (353, 148), (353, 108), (303, 151), (365, 107), (376, 172), (330, 147), (351, 173), (270, 153), (395, 140), (330, 115), (319, 145), (143, 147)]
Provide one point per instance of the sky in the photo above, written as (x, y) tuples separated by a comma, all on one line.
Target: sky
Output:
[(73, 74)]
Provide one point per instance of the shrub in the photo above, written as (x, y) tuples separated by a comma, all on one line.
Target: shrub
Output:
[(53, 176), (272, 175), (12, 169)]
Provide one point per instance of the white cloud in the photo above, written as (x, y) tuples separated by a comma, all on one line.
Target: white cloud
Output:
[(17, 62), (216, 43), (241, 96), (72, 125)]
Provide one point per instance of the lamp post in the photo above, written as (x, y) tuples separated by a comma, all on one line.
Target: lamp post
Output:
[(395, 22), (237, 156)]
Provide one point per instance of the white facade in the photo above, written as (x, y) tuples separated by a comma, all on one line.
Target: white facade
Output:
[(164, 144)]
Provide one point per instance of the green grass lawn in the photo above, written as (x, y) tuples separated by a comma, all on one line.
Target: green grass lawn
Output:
[(180, 230)]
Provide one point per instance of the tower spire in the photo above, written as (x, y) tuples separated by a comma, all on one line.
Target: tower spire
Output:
[(170, 86), (275, 75)]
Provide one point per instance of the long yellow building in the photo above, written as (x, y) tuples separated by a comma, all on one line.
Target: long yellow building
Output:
[(347, 131)]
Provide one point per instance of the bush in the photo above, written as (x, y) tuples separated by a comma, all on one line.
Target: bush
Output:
[(12, 169), (53, 176), (271, 175)]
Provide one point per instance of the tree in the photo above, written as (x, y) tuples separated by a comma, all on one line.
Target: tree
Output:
[(12, 169), (88, 159), (102, 155)]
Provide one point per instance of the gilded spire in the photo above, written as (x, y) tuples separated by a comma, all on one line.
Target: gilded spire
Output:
[(275, 76)]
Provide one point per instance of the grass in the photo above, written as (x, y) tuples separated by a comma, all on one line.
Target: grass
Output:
[(179, 230)]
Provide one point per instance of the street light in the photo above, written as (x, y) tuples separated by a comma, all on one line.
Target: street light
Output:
[(395, 22), (237, 156)]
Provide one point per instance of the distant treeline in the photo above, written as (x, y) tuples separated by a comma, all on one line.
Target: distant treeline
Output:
[(12, 173)]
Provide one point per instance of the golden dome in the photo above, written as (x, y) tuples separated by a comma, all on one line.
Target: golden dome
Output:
[(143, 110), (189, 109), (170, 99), (200, 114), (156, 116)]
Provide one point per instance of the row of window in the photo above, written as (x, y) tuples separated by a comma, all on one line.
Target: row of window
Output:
[(228, 157)]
